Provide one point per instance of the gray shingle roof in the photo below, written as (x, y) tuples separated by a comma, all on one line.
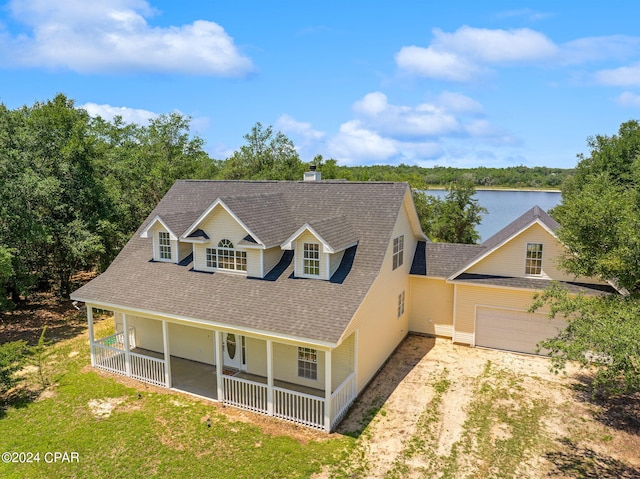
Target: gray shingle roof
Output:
[(281, 304), (336, 231), (516, 225), (443, 259), (532, 283)]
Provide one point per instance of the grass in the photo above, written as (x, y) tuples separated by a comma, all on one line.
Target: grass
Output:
[(156, 435)]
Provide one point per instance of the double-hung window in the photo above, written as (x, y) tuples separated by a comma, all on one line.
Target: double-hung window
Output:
[(308, 363), (225, 256), (533, 264), (164, 245), (398, 251), (311, 259), (400, 304)]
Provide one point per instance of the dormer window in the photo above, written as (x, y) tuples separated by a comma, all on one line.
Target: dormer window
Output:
[(311, 259), (164, 245), (225, 256), (533, 264)]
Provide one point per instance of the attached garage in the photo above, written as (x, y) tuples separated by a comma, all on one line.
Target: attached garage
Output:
[(513, 330)]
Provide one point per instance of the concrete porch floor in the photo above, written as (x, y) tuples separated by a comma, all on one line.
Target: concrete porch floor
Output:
[(200, 378)]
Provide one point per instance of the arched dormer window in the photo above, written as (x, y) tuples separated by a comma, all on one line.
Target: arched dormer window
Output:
[(225, 256)]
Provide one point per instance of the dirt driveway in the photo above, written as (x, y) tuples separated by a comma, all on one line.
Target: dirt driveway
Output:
[(441, 410)]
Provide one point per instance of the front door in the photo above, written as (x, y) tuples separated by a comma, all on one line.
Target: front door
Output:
[(234, 347)]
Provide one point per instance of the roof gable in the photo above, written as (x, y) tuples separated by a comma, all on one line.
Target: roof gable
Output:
[(535, 215), (335, 234), (153, 223), (218, 203)]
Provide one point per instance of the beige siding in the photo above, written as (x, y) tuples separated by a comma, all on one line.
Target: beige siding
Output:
[(256, 356), (431, 307), (470, 297), (376, 321), (148, 333), (334, 262), (254, 260), (308, 237), (191, 343), (218, 225), (285, 366), (509, 260), (271, 258), (342, 361), (184, 250)]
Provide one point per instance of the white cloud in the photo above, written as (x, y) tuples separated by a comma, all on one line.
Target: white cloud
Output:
[(524, 12), (457, 102), (496, 46), (607, 48), (431, 63), (114, 36), (355, 144), (461, 55), (401, 121), (628, 99), (129, 115), (288, 124), (384, 132), (623, 76)]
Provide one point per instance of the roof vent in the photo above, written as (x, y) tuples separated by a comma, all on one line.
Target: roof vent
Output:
[(312, 174)]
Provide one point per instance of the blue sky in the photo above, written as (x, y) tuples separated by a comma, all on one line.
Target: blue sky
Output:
[(456, 83)]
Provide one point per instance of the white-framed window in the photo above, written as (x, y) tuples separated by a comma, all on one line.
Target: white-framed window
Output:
[(311, 259), (308, 363), (533, 263), (225, 256), (164, 245), (401, 304), (398, 251)]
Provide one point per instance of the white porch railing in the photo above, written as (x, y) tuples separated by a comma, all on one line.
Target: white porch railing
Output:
[(342, 398), (298, 407), (116, 340), (147, 369), (245, 394), (109, 359)]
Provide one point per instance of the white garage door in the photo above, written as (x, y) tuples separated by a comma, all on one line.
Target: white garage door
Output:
[(513, 330)]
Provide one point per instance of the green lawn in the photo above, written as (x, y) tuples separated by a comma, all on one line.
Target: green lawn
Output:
[(157, 435)]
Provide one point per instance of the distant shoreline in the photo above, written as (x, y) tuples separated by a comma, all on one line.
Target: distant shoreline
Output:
[(498, 188)]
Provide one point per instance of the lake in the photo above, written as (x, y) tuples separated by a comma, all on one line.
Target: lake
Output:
[(505, 206)]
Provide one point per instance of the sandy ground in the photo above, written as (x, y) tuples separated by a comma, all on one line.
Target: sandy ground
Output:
[(579, 432)]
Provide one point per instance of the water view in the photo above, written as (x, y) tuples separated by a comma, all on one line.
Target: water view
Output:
[(505, 206)]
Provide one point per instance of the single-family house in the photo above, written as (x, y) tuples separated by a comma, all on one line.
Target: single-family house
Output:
[(286, 298)]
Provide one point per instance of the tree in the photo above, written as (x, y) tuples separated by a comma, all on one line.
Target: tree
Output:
[(600, 210), (453, 219), (603, 334), (600, 226), (265, 156)]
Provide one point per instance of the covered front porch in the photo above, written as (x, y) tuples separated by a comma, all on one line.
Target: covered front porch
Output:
[(253, 375)]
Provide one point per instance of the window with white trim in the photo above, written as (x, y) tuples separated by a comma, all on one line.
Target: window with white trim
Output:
[(311, 259), (164, 245), (308, 363), (533, 264), (398, 251), (225, 256), (401, 304)]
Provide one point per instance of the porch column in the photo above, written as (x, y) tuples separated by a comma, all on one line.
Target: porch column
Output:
[(167, 354), (90, 321), (219, 364), (327, 391), (127, 358), (269, 377)]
